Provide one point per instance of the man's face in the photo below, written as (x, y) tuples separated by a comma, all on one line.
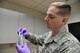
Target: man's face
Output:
[(53, 19)]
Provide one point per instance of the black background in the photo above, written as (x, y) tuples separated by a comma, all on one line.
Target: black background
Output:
[(74, 28)]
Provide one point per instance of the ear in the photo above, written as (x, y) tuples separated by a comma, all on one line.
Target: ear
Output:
[(65, 20)]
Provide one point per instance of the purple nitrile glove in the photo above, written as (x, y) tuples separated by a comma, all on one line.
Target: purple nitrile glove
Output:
[(24, 32), (23, 49)]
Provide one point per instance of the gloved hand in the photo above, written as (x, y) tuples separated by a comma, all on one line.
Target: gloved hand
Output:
[(24, 32), (23, 49)]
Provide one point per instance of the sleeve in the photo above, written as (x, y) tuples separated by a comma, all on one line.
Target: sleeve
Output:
[(36, 39)]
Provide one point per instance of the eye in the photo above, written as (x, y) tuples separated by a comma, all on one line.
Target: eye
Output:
[(52, 17)]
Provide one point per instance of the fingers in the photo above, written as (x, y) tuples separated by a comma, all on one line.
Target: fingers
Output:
[(18, 46), (21, 31), (26, 34), (23, 49)]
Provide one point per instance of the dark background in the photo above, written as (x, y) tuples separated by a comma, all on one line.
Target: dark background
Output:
[(74, 28)]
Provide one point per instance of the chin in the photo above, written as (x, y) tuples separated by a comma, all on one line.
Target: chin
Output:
[(49, 27)]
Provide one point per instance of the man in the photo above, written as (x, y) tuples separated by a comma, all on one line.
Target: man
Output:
[(58, 40)]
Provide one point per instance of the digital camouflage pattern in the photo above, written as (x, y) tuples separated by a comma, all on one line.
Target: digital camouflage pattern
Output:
[(63, 42)]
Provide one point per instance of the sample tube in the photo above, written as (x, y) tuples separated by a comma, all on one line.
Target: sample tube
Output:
[(21, 40)]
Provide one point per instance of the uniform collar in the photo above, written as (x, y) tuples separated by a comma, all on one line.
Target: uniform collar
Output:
[(57, 37), (60, 34)]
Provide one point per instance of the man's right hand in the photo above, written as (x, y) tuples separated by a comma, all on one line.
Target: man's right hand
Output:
[(24, 32)]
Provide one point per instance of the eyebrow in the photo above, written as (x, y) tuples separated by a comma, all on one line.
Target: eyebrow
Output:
[(51, 15)]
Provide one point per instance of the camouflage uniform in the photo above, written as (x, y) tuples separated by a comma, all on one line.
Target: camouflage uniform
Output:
[(63, 42)]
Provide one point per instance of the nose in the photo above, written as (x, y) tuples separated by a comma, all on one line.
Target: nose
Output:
[(46, 18)]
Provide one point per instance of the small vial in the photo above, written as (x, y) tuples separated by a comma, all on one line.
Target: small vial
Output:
[(21, 40)]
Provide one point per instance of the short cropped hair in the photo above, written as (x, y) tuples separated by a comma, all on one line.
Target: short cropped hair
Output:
[(65, 9)]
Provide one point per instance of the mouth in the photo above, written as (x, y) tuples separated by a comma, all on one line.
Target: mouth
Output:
[(47, 24)]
